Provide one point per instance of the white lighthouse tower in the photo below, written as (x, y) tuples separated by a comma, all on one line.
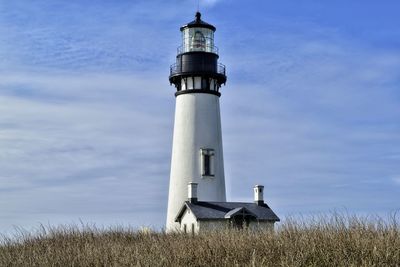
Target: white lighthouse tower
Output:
[(197, 155)]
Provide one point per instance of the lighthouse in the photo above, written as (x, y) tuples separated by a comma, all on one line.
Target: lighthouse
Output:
[(197, 155)]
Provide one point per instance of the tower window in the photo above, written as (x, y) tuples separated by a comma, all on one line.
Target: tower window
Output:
[(207, 169), (183, 84), (212, 84), (207, 162), (189, 83), (197, 83), (205, 85)]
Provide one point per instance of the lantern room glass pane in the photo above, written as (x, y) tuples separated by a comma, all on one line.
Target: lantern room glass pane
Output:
[(198, 39)]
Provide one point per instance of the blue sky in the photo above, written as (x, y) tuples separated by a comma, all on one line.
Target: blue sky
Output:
[(311, 108)]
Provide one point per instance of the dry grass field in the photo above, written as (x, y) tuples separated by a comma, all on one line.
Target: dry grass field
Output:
[(327, 241)]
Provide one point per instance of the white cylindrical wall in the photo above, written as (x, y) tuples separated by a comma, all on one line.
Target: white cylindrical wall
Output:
[(197, 127)]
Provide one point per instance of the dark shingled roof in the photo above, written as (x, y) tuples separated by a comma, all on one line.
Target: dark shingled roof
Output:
[(198, 23), (217, 210)]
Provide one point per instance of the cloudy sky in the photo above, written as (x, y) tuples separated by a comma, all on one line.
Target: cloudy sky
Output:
[(311, 108)]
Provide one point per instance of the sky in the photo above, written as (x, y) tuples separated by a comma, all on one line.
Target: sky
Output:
[(311, 108)]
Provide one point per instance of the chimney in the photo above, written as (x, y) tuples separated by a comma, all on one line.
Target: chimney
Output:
[(192, 192), (259, 194)]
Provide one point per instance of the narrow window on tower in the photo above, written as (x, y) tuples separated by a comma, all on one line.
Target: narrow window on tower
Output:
[(197, 83), (207, 162), (183, 84), (189, 83), (205, 85), (212, 84), (207, 168)]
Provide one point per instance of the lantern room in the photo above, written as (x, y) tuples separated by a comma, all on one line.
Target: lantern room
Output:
[(198, 36), (197, 69)]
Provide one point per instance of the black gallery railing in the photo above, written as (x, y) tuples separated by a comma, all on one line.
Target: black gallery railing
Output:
[(179, 68)]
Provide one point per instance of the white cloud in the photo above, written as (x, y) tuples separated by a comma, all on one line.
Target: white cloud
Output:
[(58, 148), (209, 2), (312, 116)]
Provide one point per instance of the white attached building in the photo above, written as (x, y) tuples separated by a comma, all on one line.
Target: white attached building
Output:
[(195, 216)]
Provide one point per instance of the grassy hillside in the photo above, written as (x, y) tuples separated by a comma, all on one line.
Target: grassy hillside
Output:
[(333, 241)]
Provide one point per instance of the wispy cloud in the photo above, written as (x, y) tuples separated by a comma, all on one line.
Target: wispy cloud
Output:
[(396, 180), (82, 145), (321, 119), (209, 2)]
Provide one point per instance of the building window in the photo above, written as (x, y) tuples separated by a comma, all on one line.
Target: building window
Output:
[(212, 84), (207, 162), (184, 228), (189, 83), (205, 85), (183, 84)]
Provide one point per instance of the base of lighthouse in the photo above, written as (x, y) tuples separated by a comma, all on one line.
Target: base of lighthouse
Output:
[(197, 154)]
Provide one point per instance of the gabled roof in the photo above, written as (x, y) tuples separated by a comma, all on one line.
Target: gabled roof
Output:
[(239, 211), (203, 210)]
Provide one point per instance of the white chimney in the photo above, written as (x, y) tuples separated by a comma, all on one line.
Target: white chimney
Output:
[(192, 192), (259, 194)]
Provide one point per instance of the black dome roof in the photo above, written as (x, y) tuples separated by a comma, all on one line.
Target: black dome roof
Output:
[(198, 23)]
